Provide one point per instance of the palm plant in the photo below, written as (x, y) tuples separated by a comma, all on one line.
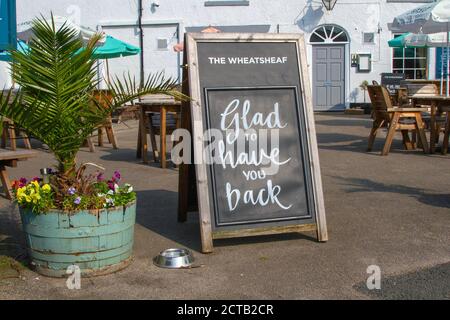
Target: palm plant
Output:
[(55, 102)]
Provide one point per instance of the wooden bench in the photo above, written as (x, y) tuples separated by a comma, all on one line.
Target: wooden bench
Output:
[(9, 159)]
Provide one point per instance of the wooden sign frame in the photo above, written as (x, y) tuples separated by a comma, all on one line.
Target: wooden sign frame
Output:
[(192, 119)]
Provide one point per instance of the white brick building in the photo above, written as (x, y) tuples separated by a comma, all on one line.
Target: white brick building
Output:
[(353, 27)]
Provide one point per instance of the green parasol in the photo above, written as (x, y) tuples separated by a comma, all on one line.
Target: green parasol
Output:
[(115, 48)]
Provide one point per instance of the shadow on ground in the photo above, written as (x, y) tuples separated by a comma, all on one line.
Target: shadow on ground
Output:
[(346, 122), (12, 242), (356, 185), (431, 283), (157, 211)]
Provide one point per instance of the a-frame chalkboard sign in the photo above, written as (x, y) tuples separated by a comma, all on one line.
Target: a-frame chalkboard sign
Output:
[(254, 145)]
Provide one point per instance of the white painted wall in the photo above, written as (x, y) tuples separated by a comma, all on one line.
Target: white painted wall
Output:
[(300, 16)]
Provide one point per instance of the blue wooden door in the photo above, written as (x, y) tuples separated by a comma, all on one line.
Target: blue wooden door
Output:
[(7, 24)]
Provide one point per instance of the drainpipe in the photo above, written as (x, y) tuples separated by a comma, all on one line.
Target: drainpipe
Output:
[(141, 42)]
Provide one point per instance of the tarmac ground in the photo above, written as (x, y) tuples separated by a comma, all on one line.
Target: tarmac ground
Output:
[(391, 213)]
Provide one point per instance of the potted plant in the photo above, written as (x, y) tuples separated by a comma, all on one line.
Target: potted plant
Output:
[(363, 87), (68, 216)]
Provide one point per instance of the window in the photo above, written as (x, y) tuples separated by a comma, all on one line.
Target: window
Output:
[(369, 37), (162, 44), (329, 34), (413, 62)]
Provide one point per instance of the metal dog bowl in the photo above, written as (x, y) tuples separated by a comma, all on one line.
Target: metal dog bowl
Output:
[(174, 259)]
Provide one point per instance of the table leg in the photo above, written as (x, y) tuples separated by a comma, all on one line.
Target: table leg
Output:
[(100, 136), (152, 138), (138, 147), (5, 182), (433, 128), (162, 155), (144, 143)]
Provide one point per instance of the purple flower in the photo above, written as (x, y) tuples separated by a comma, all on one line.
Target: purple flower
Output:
[(72, 191), (100, 177), (111, 185), (23, 180), (116, 176), (37, 179), (77, 200)]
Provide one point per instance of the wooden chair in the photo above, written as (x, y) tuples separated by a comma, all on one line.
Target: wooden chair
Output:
[(444, 149), (398, 119), (107, 126), (10, 132)]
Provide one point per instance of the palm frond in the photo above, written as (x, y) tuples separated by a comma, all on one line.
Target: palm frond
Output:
[(127, 89), (56, 103), (56, 80)]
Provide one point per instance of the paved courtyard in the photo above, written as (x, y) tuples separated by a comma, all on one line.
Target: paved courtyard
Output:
[(393, 212)]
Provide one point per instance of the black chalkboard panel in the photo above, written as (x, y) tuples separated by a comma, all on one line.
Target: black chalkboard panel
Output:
[(392, 79), (260, 154), (250, 192)]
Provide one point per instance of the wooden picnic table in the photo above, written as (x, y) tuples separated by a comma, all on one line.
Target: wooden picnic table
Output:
[(155, 104), (438, 104), (9, 159)]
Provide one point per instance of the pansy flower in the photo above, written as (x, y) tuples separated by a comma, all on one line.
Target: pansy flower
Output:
[(77, 200)]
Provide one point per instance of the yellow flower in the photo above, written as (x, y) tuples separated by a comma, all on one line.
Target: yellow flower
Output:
[(36, 197), (46, 188), (21, 191), (27, 198), (36, 184)]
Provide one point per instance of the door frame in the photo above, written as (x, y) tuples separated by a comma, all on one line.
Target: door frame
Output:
[(347, 64)]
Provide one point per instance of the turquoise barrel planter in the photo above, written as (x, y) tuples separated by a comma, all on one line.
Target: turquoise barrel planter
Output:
[(98, 241)]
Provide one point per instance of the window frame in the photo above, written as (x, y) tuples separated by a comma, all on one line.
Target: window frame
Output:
[(415, 59)]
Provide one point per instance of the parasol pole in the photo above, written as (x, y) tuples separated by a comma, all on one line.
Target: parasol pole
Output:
[(107, 72)]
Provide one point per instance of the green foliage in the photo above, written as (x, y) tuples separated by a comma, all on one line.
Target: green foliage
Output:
[(55, 103), (40, 197)]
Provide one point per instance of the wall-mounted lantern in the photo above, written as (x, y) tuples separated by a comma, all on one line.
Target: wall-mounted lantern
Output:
[(329, 4)]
